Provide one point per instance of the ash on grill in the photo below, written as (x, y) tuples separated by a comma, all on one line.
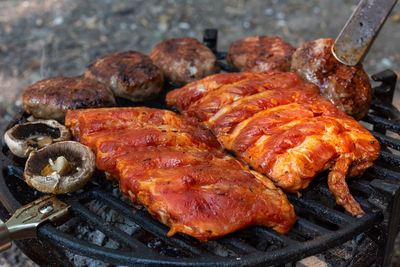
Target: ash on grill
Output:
[(106, 232)]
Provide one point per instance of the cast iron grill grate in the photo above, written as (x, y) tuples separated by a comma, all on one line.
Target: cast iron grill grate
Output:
[(321, 223)]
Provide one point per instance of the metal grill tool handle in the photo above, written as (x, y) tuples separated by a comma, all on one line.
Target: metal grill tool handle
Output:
[(24, 222), (5, 241), (358, 34)]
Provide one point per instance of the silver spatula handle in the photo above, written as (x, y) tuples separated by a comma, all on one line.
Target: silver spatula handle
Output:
[(357, 35)]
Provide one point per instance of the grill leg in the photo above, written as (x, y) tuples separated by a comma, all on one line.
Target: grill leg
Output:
[(392, 230), (210, 37), (383, 95)]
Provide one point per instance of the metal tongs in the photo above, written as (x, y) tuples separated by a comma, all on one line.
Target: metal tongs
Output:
[(23, 224), (359, 32)]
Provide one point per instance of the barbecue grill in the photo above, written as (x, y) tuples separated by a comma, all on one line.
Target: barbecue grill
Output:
[(321, 223)]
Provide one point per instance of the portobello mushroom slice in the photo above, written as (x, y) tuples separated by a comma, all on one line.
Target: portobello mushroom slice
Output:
[(60, 168), (22, 139)]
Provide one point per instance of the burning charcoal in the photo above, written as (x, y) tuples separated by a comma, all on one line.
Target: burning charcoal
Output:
[(82, 230), (112, 244), (79, 260), (96, 237), (113, 217), (128, 227)]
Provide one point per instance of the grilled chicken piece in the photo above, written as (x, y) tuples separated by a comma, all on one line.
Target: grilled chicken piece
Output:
[(282, 127), (179, 172), (129, 74), (184, 60), (347, 87), (51, 98), (260, 53)]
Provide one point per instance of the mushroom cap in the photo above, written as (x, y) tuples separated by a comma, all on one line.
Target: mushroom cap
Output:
[(16, 137), (81, 157)]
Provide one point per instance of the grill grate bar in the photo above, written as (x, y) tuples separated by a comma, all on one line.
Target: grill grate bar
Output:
[(272, 235), (237, 245), (392, 159), (325, 190), (387, 140), (145, 221), (384, 186), (385, 110), (14, 170), (325, 213), (383, 173), (362, 186), (56, 237), (383, 123), (311, 229), (109, 230)]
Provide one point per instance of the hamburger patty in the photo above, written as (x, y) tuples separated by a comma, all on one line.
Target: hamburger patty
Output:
[(129, 74), (260, 53), (184, 60), (51, 98)]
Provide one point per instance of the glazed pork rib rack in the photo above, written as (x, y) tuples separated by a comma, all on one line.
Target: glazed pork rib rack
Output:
[(321, 226), (179, 172), (281, 127)]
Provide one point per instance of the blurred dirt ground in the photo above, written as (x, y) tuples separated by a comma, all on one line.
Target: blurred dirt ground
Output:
[(48, 38)]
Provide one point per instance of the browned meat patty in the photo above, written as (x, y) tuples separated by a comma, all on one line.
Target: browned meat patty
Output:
[(184, 60), (51, 98), (260, 53), (347, 87), (129, 74)]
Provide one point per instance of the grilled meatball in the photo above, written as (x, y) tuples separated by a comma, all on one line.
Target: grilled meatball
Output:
[(347, 87), (184, 60), (51, 98), (129, 74), (260, 53)]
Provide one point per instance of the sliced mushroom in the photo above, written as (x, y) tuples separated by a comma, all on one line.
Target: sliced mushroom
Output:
[(22, 139), (60, 168)]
